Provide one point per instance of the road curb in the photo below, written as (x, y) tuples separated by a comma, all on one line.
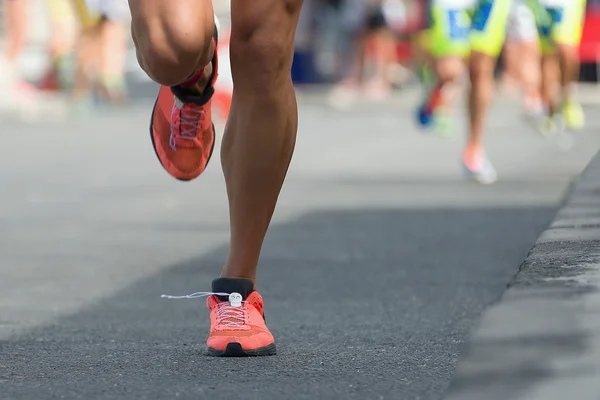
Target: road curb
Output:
[(542, 340)]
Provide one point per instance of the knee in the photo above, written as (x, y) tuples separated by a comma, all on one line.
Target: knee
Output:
[(262, 48), (568, 52), (449, 69), (481, 68), (170, 50)]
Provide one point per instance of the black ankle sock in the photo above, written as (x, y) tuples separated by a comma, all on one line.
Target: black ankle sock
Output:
[(231, 285)]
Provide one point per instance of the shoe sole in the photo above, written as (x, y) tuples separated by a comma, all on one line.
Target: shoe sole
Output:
[(235, 350)]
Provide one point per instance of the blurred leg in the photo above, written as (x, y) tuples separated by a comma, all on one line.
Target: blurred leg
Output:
[(87, 52), (511, 62), (62, 43), (481, 72), (561, 42), (113, 53), (15, 21), (550, 81), (385, 55), (566, 35), (487, 37), (530, 74), (87, 62), (568, 56), (446, 42), (381, 44)]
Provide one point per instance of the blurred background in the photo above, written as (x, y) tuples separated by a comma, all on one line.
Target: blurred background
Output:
[(51, 47)]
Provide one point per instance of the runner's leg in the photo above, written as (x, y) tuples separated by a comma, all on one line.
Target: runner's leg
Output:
[(261, 131), (175, 47), (487, 37), (15, 22), (567, 36), (561, 27), (446, 42), (113, 50)]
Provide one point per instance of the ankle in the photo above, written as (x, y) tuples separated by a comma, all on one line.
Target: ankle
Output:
[(474, 155), (473, 150), (233, 274), (204, 79)]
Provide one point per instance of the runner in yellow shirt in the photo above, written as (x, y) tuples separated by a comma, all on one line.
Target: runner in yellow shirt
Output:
[(488, 33), (455, 30), (62, 42), (560, 24), (445, 46)]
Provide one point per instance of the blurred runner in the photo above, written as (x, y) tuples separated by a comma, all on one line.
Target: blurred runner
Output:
[(16, 27), (61, 46), (101, 51), (560, 25), (488, 33), (380, 44), (372, 40), (445, 45), (523, 58), (456, 29)]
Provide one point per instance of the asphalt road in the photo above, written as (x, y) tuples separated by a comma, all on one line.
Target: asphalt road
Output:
[(379, 263)]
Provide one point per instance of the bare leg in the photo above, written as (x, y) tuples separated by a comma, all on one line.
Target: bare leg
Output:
[(261, 131), (571, 110), (511, 61), (87, 63), (61, 39), (449, 70), (481, 71), (15, 21), (530, 75), (569, 68), (550, 74), (174, 42), (384, 55), (113, 53)]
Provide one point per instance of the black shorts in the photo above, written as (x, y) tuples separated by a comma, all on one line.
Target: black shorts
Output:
[(375, 19)]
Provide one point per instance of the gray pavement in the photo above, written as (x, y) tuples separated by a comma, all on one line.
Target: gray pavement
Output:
[(380, 261), (542, 341)]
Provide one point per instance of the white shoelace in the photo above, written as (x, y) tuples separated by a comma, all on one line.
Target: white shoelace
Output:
[(189, 119), (229, 313)]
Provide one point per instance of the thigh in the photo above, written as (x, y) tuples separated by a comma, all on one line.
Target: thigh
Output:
[(488, 28)]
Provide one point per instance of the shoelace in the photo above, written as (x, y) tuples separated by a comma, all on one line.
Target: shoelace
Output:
[(229, 313), (189, 119)]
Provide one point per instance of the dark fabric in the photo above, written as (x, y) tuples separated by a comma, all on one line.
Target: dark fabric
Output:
[(232, 285)]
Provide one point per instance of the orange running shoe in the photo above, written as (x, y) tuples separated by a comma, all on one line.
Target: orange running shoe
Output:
[(237, 321), (181, 128)]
